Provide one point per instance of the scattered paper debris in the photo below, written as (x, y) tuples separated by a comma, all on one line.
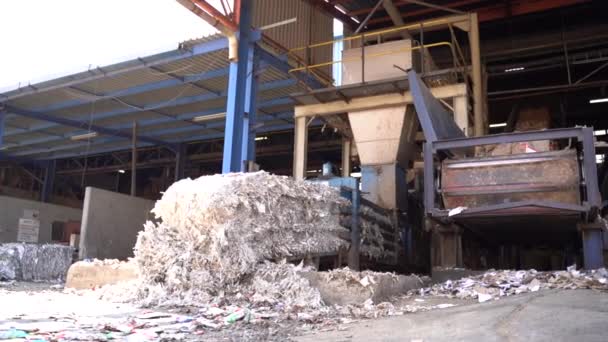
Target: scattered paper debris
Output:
[(495, 284)]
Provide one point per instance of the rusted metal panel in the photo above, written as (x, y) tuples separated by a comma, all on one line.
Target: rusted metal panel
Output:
[(476, 182)]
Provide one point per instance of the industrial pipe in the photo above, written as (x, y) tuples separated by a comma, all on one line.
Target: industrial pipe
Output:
[(214, 18)]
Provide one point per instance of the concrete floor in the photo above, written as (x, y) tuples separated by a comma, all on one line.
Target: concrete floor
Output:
[(568, 315)]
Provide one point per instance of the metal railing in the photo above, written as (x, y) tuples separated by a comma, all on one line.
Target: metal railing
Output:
[(458, 59)]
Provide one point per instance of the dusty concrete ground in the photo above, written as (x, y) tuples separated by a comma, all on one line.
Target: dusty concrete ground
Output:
[(552, 315), (549, 315)]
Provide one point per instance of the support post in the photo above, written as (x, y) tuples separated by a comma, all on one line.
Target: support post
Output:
[(447, 246), (593, 253), (236, 137), (249, 118), (461, 113), (134, 160), (49, 181), (355, 235), (300, 148), (476, 74), (180, 161), (346, 157), (2, 119)]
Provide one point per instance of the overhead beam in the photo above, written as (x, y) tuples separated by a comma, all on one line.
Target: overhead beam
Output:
[(496, 11), (155, 133), (395, 15), (117, 69), (81, 124), (374, 102), (146, 123), (175, 141), (438, 7), (410, 13)]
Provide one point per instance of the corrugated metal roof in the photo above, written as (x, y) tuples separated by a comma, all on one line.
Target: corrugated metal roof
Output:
[(162, 98)]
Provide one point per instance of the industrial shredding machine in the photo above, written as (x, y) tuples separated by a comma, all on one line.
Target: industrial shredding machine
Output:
[(536, 196), (541, 198)]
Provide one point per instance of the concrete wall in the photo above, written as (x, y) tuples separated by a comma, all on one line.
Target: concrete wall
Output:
[(11, 209), (110, 223)]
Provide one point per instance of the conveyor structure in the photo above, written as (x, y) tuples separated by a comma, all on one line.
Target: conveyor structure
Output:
[(536, 196)]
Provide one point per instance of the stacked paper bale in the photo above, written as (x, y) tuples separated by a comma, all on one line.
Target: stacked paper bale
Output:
[(33, 262), (216, 231)]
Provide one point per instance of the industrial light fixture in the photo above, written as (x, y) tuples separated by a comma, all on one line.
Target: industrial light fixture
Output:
[(84, 136), (121, 171), (605, 99), (599, 132), (514, 69), (496, 125), (261, 138), (340, 8), (6, 146), (209, 117)]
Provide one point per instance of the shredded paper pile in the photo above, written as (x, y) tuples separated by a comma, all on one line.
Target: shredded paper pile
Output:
[(496, 284), (216, 232)]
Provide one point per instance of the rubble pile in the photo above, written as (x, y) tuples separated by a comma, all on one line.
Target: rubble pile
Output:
[(217, 231), (496, 284)]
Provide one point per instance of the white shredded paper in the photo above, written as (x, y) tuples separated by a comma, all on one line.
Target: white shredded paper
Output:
[(217, 233)]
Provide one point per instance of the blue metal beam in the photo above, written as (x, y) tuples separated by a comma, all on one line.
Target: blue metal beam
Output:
[(81, 124), (129, 110), (239, 92), (119, 68), (145, 123)]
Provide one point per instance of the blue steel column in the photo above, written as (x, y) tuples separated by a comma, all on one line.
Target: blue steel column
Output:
[(249, 120), (49, 181), (239, 94)]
